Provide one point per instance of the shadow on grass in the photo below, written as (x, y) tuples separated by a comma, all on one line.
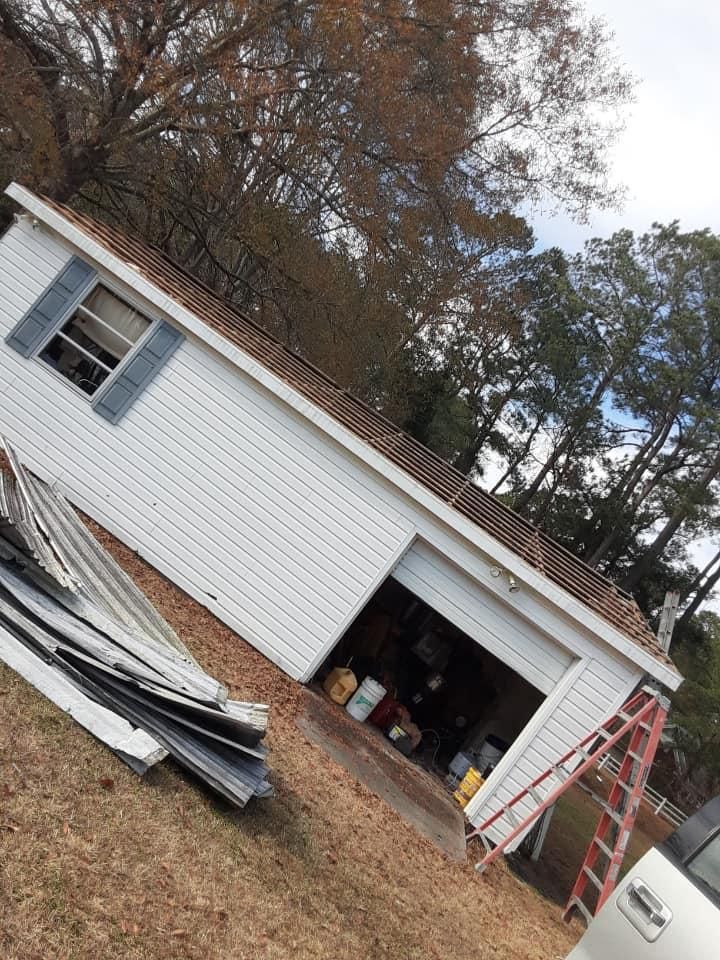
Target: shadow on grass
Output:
[(280, 818)]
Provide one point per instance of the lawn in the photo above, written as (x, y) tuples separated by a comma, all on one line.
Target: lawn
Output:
[(573, 824), (97, 862)]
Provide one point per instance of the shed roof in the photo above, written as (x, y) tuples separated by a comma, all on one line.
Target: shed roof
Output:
[(455, 489)]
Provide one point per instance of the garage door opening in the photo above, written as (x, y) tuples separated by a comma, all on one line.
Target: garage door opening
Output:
[(450, 703)]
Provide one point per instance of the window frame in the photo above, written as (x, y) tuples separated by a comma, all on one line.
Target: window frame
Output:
[(710, 892), (98, 281)]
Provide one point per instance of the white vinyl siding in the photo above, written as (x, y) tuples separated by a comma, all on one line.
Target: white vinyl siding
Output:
[(268, 522), (597, 690), (209, 481)]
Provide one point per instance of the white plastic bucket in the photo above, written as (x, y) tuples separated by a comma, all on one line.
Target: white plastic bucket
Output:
[(367, 696), (489, 754)]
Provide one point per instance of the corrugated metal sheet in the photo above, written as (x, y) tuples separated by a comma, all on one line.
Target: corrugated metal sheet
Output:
[(453, 488), (64, 546), (134, 746), (15, 513), (95, 660)]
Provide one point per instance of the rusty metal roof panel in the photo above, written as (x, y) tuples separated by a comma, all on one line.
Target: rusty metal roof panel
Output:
[(453, 488)]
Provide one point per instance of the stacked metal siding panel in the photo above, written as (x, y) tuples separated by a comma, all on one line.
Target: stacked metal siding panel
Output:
[(86, 567), (88, 656)]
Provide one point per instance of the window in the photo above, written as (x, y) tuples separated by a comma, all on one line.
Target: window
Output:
[(705, 865), (95, 339)]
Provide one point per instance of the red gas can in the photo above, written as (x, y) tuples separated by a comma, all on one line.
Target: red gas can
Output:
[(385, 713)]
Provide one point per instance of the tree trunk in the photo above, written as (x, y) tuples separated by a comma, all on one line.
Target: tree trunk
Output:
[(610, 539), (699, 579), (654, 551), (516, 461), (701, 595), (567, 441), (467, 458)]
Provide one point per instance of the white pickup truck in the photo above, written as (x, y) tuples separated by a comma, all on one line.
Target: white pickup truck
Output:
[(668, 906)]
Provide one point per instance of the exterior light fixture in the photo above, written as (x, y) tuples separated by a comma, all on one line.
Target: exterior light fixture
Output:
[(513, 585)]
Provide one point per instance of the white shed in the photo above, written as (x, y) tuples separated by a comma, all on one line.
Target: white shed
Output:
[(283, 504)]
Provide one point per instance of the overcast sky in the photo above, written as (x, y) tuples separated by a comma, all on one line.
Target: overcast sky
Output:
[(669, 155)]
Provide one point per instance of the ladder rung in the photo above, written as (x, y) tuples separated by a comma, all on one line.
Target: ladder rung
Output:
[(624, 786), (577, 902), (594, 879), (602, 732), (613, 814), (645, 726), (624, 716), (583, 753), (511, 815), (560, 772), (635, 756), (484, 840), (604, 847)]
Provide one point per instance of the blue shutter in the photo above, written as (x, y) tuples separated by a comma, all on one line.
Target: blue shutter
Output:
[(122, 391), (64, 293)]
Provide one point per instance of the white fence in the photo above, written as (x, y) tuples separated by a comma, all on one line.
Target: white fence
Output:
[(660, 805)]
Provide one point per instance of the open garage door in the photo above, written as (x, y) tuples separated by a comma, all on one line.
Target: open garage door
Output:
[(493, 624), (445, 701), (457, 672)]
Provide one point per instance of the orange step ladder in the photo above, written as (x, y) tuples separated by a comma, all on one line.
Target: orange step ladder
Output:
[(642, 718)]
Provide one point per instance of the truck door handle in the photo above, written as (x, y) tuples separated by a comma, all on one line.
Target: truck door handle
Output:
[(655, 909), (644, 909)]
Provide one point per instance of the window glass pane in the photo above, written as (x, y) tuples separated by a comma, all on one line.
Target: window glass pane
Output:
[(80, 369), (121, 325), (75, 330), (705, 865)]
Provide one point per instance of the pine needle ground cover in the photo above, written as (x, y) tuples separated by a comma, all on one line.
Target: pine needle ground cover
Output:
[(96, 862)]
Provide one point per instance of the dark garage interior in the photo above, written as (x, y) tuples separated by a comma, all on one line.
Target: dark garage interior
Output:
[(449, 703)]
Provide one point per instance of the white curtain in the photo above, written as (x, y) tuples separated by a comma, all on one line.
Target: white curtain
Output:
[(118, 315)]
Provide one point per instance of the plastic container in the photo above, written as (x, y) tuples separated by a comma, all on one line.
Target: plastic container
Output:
[(340, 685), (490, 752), (365, 699), (385, 713), (469, 786), (460, 764), (401, 740)]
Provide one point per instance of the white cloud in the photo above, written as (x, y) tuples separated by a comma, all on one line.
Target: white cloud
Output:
[(668, 155)]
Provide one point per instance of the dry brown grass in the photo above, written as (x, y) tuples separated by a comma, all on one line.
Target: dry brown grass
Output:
[(95, 862)]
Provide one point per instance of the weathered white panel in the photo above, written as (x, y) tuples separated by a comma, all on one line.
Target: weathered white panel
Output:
[(481, 616), (596, 689)]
